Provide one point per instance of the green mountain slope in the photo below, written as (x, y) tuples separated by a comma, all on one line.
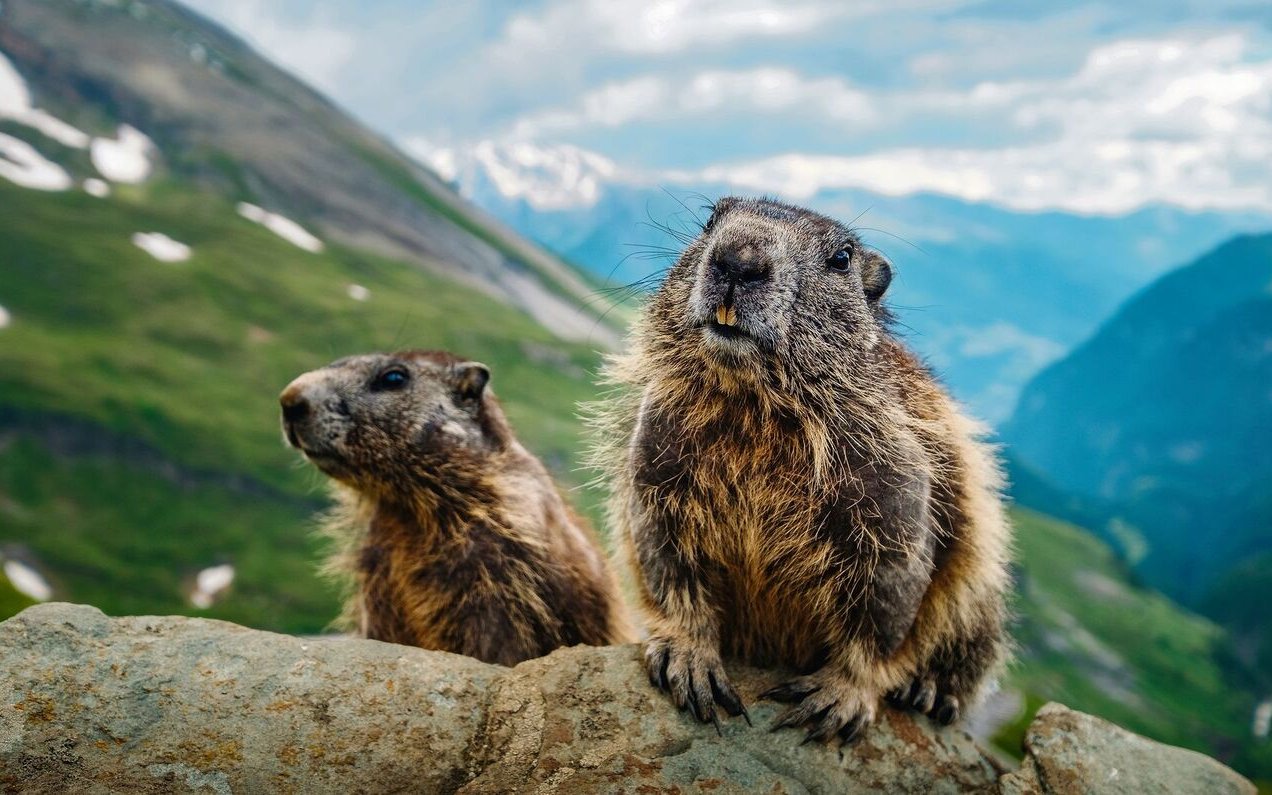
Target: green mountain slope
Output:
[(1090, 638), (1165, 415), (140, 437), (227, 121)]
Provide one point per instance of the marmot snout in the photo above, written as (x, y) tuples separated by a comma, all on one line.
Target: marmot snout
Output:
[(762, 271), (453, 535)]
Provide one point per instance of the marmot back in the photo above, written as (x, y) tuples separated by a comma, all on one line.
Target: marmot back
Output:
[(453, 535), (794, 487)]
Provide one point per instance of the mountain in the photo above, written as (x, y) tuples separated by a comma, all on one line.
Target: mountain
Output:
[(185, 229), (228, 121), (1087, 634), (1165, 413), (987, 294)]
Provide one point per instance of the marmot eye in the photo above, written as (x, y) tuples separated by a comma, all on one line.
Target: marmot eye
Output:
[(392, 378), (841, 260)]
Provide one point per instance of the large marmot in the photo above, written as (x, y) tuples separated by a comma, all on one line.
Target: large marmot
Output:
[(794, 488), (455, 536)]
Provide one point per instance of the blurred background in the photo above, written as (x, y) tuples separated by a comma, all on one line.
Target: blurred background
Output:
[(198, 202)]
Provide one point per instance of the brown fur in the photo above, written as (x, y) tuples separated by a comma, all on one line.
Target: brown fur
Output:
[(452, 536), (802, 493)]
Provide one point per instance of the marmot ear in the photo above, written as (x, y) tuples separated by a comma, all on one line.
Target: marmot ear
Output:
[(471, 379), (876, 275)]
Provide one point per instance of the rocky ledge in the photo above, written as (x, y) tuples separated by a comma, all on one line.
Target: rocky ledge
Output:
[(96, 704)]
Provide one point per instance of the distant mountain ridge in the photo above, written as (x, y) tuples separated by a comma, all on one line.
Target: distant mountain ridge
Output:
[(1166, 415), (988, 295), (227, 119)]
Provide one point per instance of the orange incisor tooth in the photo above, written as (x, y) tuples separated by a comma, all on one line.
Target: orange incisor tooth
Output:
[(732, 318), (722, 315)]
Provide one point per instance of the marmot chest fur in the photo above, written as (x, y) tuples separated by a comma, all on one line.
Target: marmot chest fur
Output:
[(793, 486), (454, 536)]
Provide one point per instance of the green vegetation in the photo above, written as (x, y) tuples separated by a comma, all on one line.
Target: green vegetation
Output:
[(141, 444), (1090, 639), (11, 602), (139, 397)]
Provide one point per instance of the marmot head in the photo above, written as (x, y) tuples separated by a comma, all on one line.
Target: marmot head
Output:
[(392, 419), (767, 279)]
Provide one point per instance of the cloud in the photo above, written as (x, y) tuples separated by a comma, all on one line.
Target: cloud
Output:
[(659, 27), (314, 46), (1142, 121), (707, 93), (1002, 337)]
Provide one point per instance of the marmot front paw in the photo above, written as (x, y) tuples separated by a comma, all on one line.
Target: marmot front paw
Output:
[(694, 676), (924, 694), (828, 703)]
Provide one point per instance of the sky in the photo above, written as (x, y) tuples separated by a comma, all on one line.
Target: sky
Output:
[(1087, 108)]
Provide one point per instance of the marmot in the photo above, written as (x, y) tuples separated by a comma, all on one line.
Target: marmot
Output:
[(793, 487), (455, 535)]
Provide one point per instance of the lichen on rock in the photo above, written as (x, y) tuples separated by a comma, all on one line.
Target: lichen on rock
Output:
[(144, 704)]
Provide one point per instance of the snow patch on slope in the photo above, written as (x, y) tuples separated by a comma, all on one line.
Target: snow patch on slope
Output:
[(284, 227), (28, 581), (22, 165), (210, 583), (96, 187), (5, 318), (161, 247), (15, 104), (125, 158), (557, 177)]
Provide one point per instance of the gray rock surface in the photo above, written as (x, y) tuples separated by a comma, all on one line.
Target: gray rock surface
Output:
[(1071, 753), (96, 704)]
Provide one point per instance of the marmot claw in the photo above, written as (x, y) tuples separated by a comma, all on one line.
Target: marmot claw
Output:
[(925, 695), (694, 677), (827, 704)]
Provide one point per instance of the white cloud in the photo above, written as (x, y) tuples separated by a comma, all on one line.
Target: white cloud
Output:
[(1173, 121), (660, 27), (764, 90), (316, 47), (1003, 337)]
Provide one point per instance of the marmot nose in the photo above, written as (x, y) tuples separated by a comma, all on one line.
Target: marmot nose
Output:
[(295, 406), (743, 264)]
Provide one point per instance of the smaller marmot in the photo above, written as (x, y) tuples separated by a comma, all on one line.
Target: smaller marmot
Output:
[(454, 535)]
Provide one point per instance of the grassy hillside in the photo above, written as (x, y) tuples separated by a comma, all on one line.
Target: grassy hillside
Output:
[(1091, 639), (138, 398), (140, 444), (11, 601)]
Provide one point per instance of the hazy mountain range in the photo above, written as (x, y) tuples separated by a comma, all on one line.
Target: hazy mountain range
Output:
[(988, 294), (1166, 414)]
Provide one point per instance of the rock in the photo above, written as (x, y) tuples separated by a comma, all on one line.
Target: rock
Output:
[(1071, 753), (96, 704)]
